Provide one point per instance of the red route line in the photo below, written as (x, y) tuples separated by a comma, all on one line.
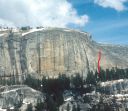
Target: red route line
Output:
[(99, 58)]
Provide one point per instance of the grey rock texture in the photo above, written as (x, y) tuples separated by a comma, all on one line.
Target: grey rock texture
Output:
[(19, 96), (115, 87), (53, 51)]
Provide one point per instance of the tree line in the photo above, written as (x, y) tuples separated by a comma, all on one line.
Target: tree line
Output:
[(64, 82), (113, 74), (54, 87)]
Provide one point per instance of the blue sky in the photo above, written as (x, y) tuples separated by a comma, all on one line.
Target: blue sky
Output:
[(107, 25)]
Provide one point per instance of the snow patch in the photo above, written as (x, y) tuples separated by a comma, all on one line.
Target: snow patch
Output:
[(111, 82), (68, 99), (3, 109), (66, 30), (33, 30), (120, 95), (2, 34), (2, 29), (13, 90)]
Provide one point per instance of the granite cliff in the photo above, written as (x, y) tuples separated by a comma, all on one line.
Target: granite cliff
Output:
[(53, 51)]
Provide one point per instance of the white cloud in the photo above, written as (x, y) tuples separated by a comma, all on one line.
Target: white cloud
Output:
[(115, 4), (6, 23), (56, 13)]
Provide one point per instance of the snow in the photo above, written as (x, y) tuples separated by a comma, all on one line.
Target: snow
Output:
[(68, 99), (66, 30), (111, 82), (15, 30), (33, 90), (91, 94), (84, 33), (9, 91), (2, 34), (14, 90), (12, 108), (9, 29), (33, 30), (25, 102), (2, 29), (120, 95), (3, 109)]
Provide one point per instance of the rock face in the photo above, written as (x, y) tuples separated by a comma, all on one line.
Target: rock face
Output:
[(53, 51), (19, 96)]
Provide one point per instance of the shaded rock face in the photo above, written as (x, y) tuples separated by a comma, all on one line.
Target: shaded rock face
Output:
[(56, 51)]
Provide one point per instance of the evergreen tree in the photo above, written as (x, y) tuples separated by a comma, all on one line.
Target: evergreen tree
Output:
[(68, 107), (64, 81), (126, 71), (74, 108), (91, 79), (44, 83), (119, 73), (29, 107), (0, 80), (59, 98), (39, 107), (78, 107), (97, 79), (122, 73), (102, 75), (77, 81), (108, 74), (13, 80), (51, 104)]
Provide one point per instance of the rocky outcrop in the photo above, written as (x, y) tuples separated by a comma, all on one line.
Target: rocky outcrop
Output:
[(115, 87), (19, 96), (53, 51)]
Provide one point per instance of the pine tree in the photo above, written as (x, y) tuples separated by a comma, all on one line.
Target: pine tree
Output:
[(74, 108), (0, 80), (13, 80), (102, 75), (108, 75), (39, 107), (51, 104), (126, 70), (91, 79), (68, 107), (29, 107), (77, 81), (78, 107)]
